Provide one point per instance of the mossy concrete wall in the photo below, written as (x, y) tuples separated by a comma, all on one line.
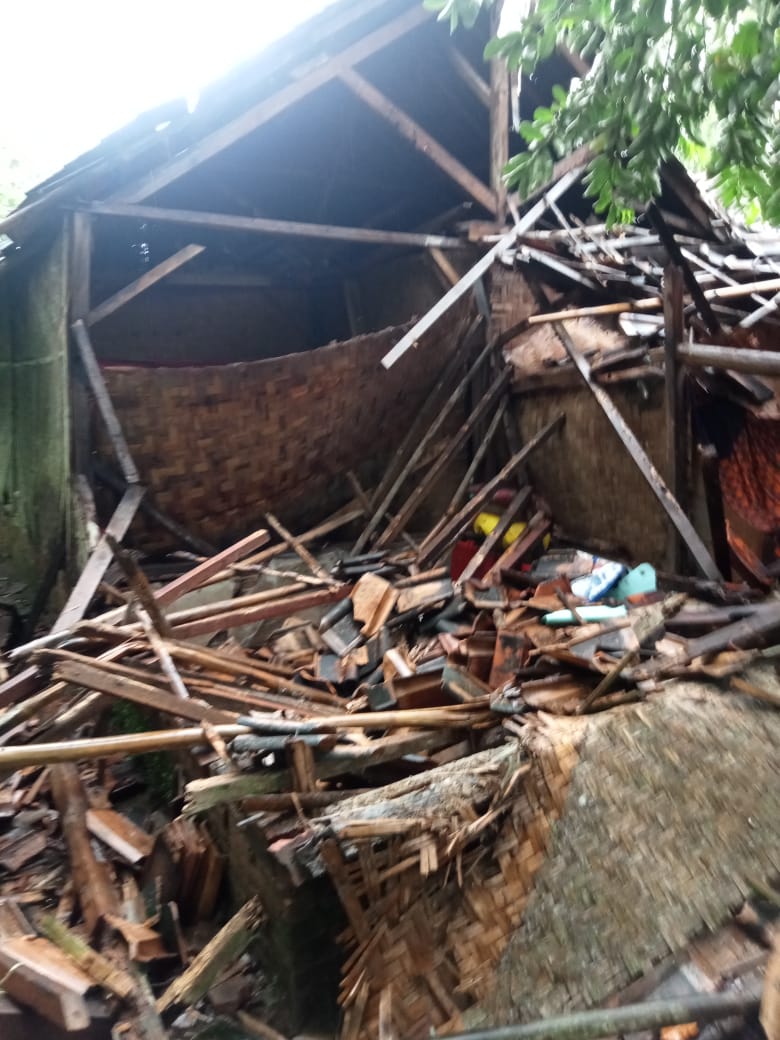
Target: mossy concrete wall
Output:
[(34, 424)]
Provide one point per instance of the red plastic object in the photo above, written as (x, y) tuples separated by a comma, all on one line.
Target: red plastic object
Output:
[(462, 553)]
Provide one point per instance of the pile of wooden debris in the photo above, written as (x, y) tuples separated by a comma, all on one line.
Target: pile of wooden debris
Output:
[(382, 727)]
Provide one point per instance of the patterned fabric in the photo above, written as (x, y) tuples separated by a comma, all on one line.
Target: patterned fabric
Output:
[(750, 476)]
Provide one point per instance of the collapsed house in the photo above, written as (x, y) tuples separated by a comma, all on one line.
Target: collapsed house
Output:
[(433, 531)]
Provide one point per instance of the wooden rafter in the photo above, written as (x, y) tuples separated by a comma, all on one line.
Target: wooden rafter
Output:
[(473, 80), (268, 226), (420, 138), (135, 288), (268, 108)]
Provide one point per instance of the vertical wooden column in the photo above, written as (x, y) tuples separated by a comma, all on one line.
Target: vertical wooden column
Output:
[(499, 119), (675, 404), (80, 286)]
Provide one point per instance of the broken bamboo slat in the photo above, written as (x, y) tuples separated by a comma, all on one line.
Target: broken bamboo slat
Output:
[(656, 482), (93, 748), (633, 1018)]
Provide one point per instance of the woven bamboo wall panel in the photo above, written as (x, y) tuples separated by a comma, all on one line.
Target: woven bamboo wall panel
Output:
[(219, 445), (423, 947)]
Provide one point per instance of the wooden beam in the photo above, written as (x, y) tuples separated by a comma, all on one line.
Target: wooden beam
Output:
[(435, 544), (149, 278), (480, 268), (504, 523), (676, 425), (499, 121), (86, 587), (420, 138), (476, 83), (270, 107), (487, 403), (706, 355), (269, 226), (104, 403), (422, 442), (214, 565), (670, 504)]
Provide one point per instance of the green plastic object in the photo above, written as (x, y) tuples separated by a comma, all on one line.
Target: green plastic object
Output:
[(640, 579), (596, 612)]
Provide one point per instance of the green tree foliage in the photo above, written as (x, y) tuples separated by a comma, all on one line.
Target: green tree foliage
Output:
[(696, 79)]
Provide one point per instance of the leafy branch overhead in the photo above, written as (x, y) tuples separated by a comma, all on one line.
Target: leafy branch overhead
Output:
[(696, 79)]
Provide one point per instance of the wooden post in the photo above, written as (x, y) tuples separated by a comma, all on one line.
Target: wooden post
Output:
[(499, 120), (688, 532), (676, 412)]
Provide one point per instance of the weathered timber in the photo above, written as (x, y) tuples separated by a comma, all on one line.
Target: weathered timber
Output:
[(37, 974), (504, 523), (538, 526), (86, 586), (738, 359), (217, 955), (103, 399), (654, 479), (91, 878), (473, 275), (433, 547), (199, 575), (300, 550), (486, 402), (99, 969), (274, 609), (674, 385), (82, 673), (147, 279), (419, 138), (420, 447)]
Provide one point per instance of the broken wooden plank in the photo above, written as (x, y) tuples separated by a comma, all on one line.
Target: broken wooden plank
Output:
[(91, 878), (97, 967), (485, 404), (473, 275), (297, 546), (674, 383), (147, 279), (504, 523), (38, 975), (199, 575), (432, 547), (103, 399), (657, 485), (420, 446), (217, 955), (279, 608), (538, 526), (120, 834), (86, 587), (419, 138), (83, 673)]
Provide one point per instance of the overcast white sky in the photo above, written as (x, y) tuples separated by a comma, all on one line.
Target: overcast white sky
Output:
[(74, 70)]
